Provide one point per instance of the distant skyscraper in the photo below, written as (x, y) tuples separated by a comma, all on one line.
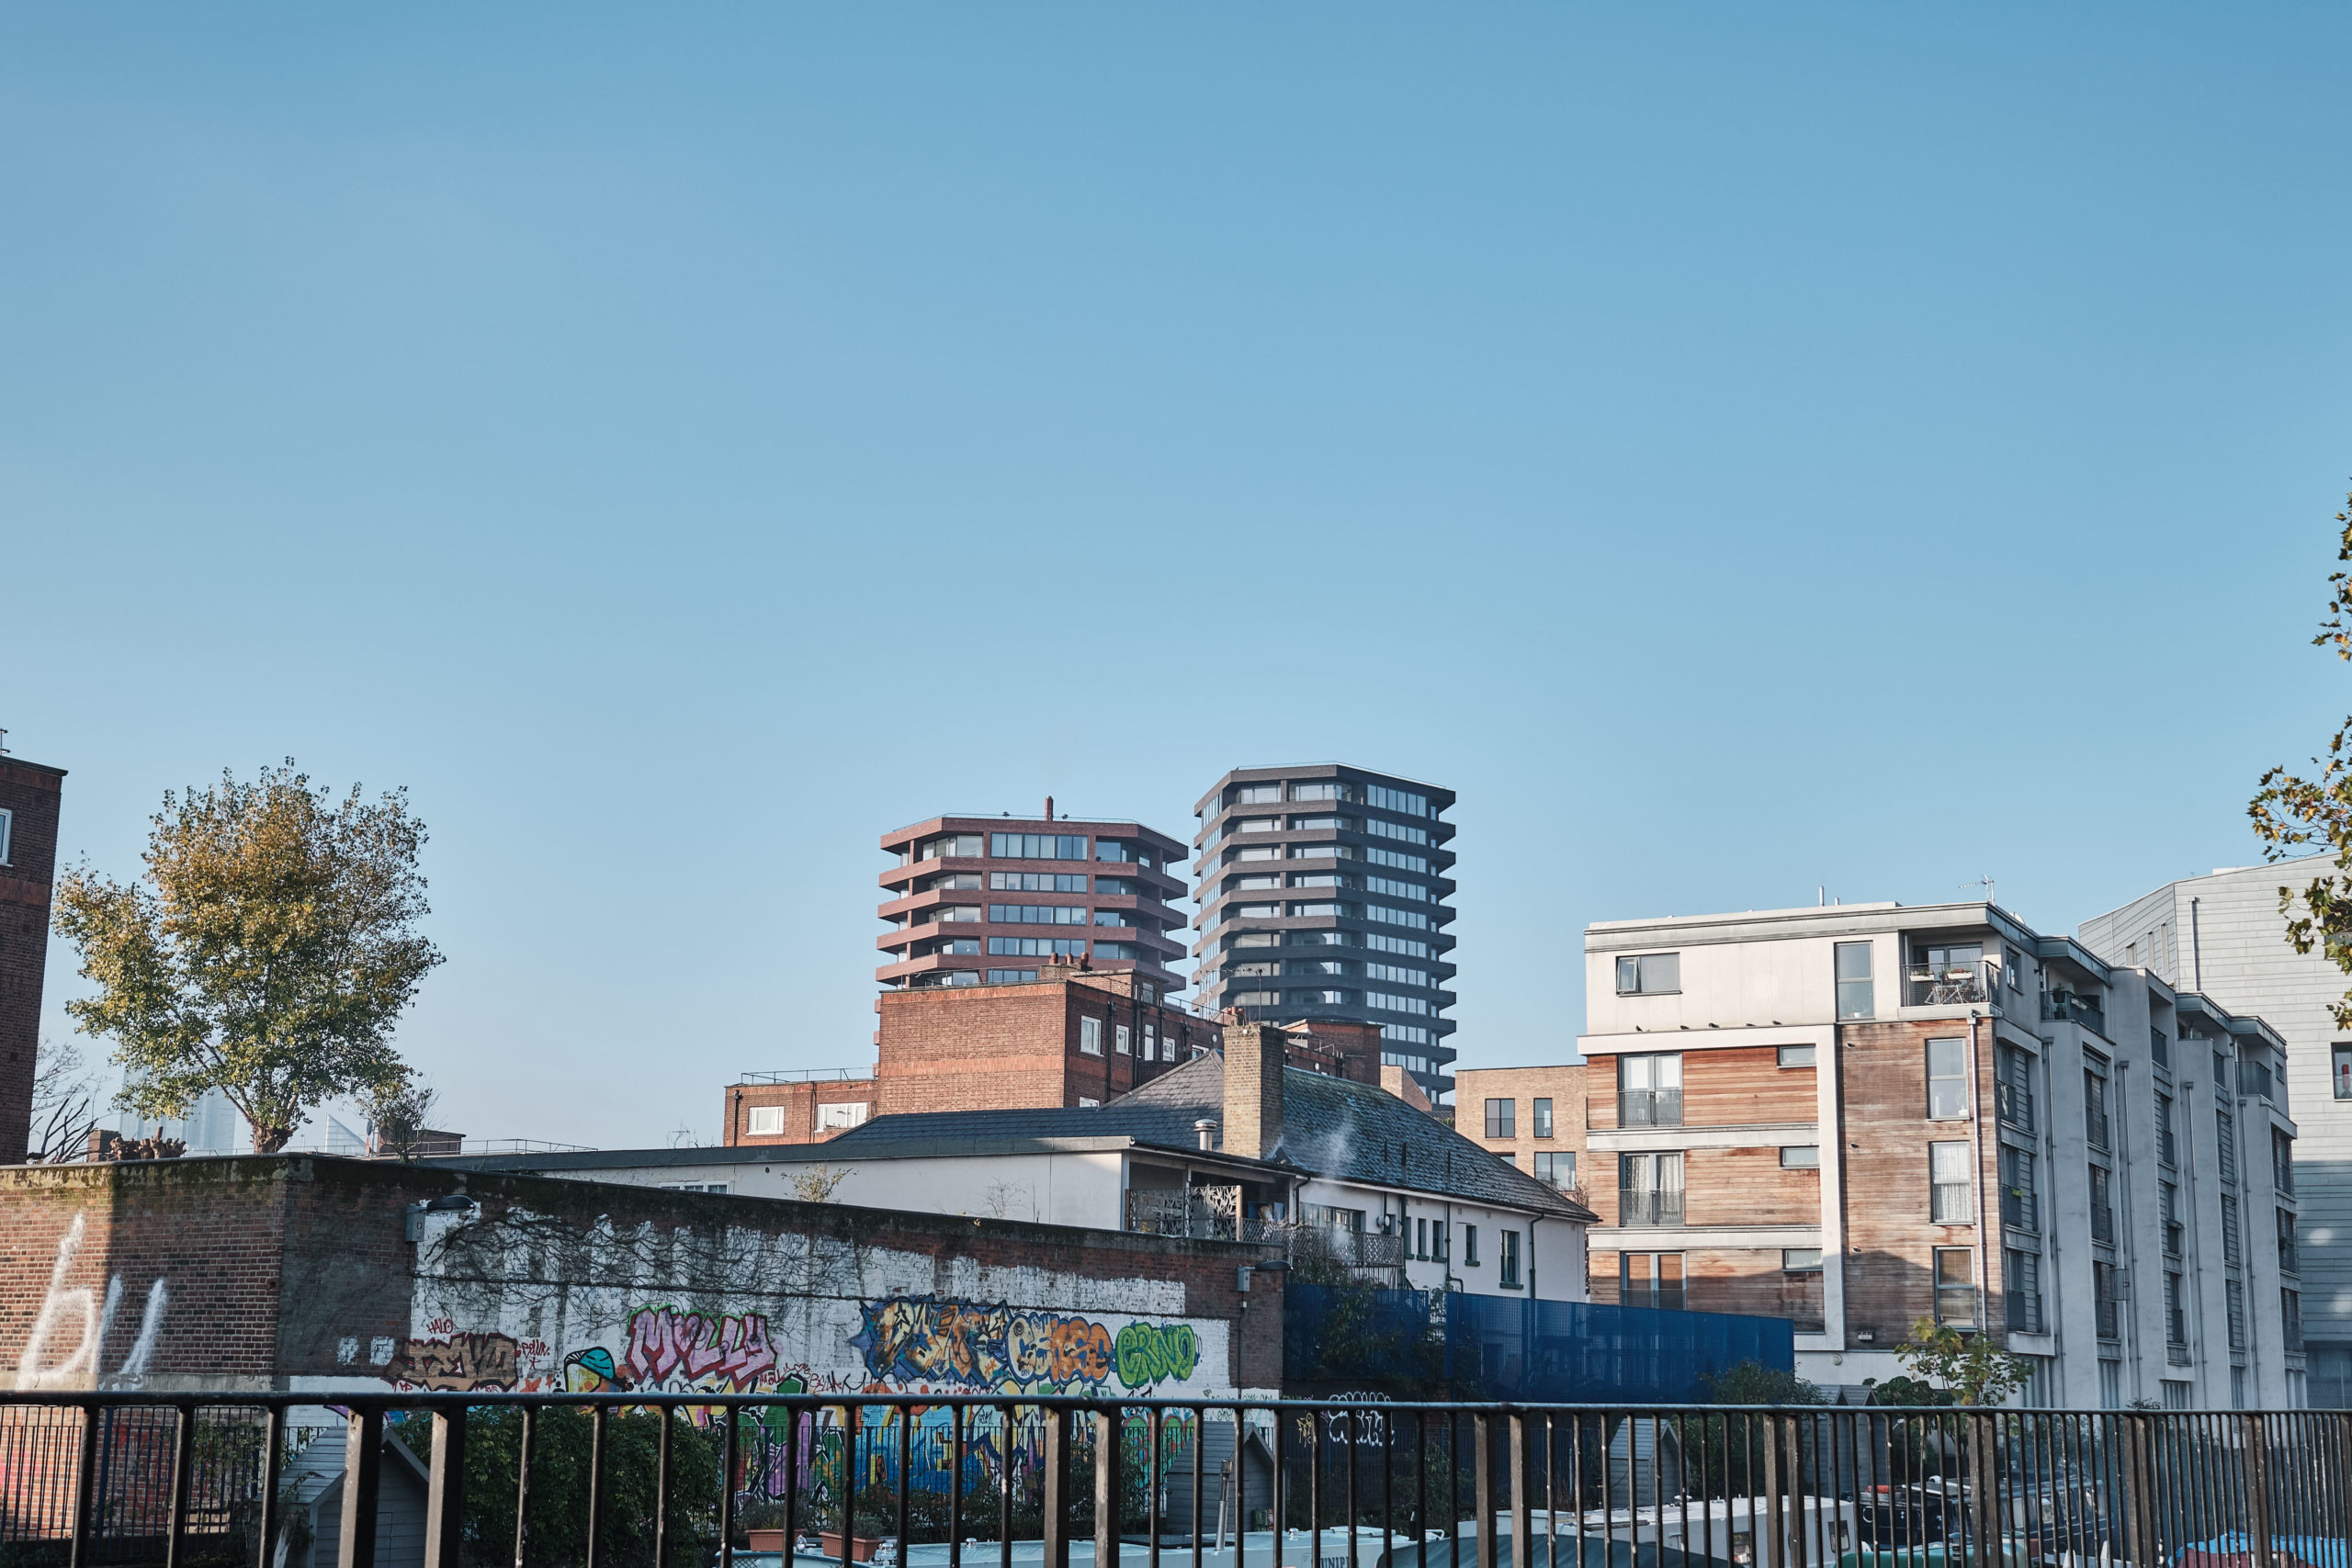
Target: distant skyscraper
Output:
[(1322, 891), (986, 900)]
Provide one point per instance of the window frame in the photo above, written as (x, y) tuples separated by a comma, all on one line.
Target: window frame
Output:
[(1090, 1036), (753, 1115), (1809, 1057), (1638, 966), (1507, 1261), (1943, 1287), (1505, 1124), (1866, 979), (1539, 1116), (1959, 1076), (1939, 1184), (1813, 1163)]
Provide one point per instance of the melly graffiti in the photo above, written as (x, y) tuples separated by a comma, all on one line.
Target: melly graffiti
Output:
[(685, 1351), (940, 1342)]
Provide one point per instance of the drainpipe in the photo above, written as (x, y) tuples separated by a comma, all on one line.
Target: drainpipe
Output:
[(2196, 949), (1986, 1227)]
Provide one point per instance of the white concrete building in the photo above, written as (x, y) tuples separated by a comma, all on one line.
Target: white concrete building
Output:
[(2226, 936), (1871, 1114)]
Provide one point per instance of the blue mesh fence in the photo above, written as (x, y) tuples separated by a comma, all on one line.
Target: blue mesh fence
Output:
[(1497, 1347)]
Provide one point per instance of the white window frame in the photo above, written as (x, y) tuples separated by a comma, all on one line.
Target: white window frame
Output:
[(764, 1121), (1090, 1037), (8, 836), (841, 1114)]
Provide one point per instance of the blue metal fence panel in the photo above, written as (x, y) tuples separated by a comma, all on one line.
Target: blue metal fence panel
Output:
[(1501, 1347)]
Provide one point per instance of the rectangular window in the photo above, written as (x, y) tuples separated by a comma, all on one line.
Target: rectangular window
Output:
[(1855, 997), (1439, 1238), (1502, 1117), (1114, 917), (1112, 850), (1325, 790), (1037, 914), (958, 846), (2013, 1087), (1121, 1040), (765, 1122), (1956, 1286), (2282, 1162), (1800, 1260), (1649, 973), (2094, 1108), (1799, 1156), (2290, 1319), (1257, 794), (2290, 1255), (1040, 882), (1090, 1036), (1257, 998), (2342, 1073), (1469, 1247), (1796, 1056), (1557, 1169), (1403, 945), (1507, 1259), (1382, 912), (7, 829), (1405, 802), (1542, 1114), (2102, 1205), (2168, 1215), (2225, 1136), (1649, 1089), (1396, 830), (2234, 1298), (2230, 1243), (1037, 846), (1650, 1280), (2021, 1205), (2021, 1291), (1087, 1102), (1649, 1190), (2106, 1298), (2166, 1150), (841, 1114), (1036, 947), (1010, 976), (1151, 1043), (1947, 1080), (1948, 1176)]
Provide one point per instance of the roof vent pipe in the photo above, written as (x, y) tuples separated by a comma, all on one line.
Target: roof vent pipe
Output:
[(1205, 1129)]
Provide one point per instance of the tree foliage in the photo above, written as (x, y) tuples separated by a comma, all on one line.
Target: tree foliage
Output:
[(267, 952), (560, 1444), (2292, 813), (1944, 1366)]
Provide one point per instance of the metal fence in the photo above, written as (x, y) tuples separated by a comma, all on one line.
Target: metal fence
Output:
[(641, 1480)]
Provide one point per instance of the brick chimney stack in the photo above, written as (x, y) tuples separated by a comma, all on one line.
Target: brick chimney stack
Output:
[(1253, 1089)]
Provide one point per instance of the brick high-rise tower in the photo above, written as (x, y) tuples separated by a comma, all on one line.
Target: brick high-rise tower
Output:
[(28, 798)]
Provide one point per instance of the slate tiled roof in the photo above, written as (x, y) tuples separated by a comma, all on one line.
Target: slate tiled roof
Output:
[(1350, 1132), (1357, 1132)]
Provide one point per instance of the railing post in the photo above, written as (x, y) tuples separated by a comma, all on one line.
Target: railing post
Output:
[(445, 1491), (1523, 1471), (2343, 1425), (2139, 1491), (1776, 1529), (183, 1469), (599, 1499), (1057, 1486), (1481, 1486), (85, 1485), (363, 1475), (2257, 1488), (1108, 1476), (273, 1450), (1984, 1464)]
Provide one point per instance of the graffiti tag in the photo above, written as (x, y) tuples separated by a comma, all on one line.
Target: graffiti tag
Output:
[(463, 1363), (76, 1308), (942, 1340), (680, 1352)]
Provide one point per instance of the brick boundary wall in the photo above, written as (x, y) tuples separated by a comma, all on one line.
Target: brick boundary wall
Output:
[(272, 1267)]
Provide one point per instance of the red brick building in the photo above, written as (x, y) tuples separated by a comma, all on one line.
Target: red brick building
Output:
[(806, 1107), (29, 802), (988, 900)]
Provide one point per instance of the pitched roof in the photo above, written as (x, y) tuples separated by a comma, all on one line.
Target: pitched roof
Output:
[(1359, 1131), (1331, 1127)]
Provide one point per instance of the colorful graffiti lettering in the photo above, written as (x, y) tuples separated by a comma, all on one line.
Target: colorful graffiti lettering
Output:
[(589, 1372), (464, 1362), (686, 1351), (1150, 1353), (931, 1339)]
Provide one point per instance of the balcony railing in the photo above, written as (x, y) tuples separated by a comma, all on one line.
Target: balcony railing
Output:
[(1649, 1108), (1642, 1206), (1202, 1214), (1950, 984), (2057, 1006)]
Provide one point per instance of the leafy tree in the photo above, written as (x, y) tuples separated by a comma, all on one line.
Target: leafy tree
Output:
[(398, 1114), (560, 1447), (1947, 1367), (267, 952), (2290, 812)]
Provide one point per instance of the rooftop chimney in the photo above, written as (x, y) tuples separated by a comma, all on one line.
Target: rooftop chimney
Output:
[(1049, 808), (1253, 1089), (1205, 1129)]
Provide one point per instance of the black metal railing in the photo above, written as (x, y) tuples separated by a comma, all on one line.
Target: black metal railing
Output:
[(1649, 1206), (1649, 1108), (634, 1479), (1946, 984)]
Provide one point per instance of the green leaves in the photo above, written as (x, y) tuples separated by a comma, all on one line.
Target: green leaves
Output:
[(2290, 812), (268, 952)]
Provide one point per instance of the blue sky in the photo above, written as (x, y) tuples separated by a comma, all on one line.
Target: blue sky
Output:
[(1740, 449)]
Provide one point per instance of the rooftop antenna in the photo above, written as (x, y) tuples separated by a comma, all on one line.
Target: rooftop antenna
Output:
[(4, 737), (1983, 882)]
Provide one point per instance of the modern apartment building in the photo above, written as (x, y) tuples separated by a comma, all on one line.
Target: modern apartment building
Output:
[(1323, 894), (987, 900), (2225, 935), (1863, 1115)]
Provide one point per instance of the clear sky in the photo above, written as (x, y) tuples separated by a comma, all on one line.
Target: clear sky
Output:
[(1741, 449)]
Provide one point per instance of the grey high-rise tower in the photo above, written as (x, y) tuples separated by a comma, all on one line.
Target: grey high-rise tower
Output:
[(1323, 895)]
